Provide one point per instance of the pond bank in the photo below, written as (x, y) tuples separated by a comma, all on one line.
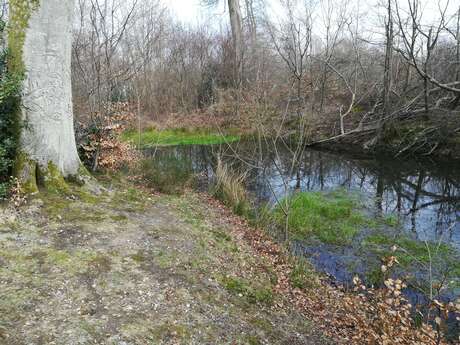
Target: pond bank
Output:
[(348, 214), (132, 267)]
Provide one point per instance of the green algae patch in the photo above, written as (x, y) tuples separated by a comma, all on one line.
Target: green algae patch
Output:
[(332, 217), (414, 255), (409, 250), (174, 137)]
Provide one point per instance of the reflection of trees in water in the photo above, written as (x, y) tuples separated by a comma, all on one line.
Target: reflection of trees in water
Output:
[(426, 195), (430, 194)]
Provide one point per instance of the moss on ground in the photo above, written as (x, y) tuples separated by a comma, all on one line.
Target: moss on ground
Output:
[(128, 267), (153, 137), (244, 288)]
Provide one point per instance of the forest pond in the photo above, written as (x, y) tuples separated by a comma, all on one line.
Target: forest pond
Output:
[(417, 204)]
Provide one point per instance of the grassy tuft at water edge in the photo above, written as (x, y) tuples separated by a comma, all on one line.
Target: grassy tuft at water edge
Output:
[(332, 217)]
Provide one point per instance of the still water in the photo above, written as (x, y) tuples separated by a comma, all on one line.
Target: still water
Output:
[(423, 195)]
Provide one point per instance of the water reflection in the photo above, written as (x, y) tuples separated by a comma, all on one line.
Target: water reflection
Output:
[(424, 195)]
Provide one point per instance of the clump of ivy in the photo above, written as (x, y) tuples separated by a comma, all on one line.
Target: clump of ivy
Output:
[(10, 87)]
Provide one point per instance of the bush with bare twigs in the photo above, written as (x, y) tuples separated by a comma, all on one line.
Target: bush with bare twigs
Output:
[(99, 141)]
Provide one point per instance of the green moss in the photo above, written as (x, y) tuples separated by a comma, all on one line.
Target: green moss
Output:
[(170, 330), (332, 218), (20, 13), (52, 179), (26, 170), (239, 286), (64, 209), (152, 137)]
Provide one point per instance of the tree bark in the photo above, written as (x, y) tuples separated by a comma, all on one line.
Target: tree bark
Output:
[(387, 75), (237, 35), (47, 143)]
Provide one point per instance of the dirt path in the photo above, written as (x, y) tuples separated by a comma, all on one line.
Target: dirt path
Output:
[(131, 268)]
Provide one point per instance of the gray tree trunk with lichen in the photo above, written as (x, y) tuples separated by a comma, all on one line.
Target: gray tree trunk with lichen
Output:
[(40, 42)]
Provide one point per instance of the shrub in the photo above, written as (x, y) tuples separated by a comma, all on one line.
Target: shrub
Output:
[(10, 87), (99, 142)]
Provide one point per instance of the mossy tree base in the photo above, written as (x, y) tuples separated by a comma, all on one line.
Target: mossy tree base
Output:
[(32, 177)]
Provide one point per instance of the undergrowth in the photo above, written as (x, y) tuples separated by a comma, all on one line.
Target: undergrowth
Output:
[(10, 86)]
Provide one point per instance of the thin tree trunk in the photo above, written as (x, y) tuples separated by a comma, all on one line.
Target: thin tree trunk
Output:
[(387, 76), (237, 35)]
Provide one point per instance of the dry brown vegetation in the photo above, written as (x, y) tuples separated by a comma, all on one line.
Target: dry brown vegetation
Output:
[(382, 76), (359, 316)]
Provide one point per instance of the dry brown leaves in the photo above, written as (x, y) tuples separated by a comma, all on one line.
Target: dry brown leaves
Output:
[(17, 197), (363, 316), (101, 145)]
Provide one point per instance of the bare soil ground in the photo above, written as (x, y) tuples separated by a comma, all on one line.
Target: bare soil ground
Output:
[(128, 267)]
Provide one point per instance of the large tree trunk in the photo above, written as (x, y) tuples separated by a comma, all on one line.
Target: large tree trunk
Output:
[(40, 41), (237, 35)]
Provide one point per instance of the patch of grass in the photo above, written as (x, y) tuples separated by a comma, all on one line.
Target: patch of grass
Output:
[(230, 189), (239, 286), (252, 340), (302, 276), (170, 330), (391, 220), (171, 137), (139, 257), (100, 264), (131, 200), (118, 217), (332, 218), (165, 259), (375, 276)]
